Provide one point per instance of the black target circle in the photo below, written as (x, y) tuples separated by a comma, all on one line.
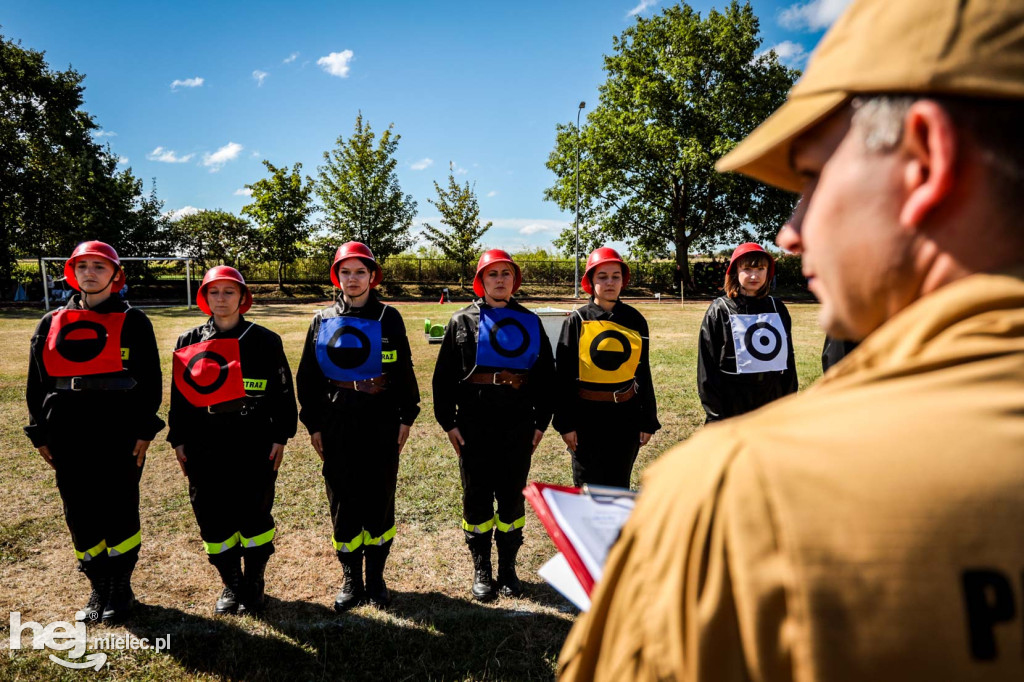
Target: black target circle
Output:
[(81, 350), (348, 357), (610, 360), (222, 374), (505, 352), (751, 342)]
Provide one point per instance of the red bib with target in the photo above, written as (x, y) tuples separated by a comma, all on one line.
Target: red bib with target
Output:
[(83, 342), (209, 372)]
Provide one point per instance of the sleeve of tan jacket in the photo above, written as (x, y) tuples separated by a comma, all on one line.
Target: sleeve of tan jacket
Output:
[(696, 587)]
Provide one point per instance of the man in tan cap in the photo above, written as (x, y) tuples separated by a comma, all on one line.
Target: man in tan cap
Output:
[(872, 527)]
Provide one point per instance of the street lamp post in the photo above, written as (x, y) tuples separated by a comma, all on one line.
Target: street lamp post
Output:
[(576, 251)]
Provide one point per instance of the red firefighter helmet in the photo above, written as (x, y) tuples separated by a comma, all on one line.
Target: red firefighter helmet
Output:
[(223, 273), (600, 256), (95, 250), (751, 247), (362, 252), (490, 258)]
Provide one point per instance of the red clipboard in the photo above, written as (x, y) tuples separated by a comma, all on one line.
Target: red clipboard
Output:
[(534, 493)]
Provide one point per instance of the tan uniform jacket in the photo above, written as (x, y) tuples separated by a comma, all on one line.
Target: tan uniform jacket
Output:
[(870, 528)]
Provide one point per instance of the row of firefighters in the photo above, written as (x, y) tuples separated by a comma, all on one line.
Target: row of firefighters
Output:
[(496, 387)]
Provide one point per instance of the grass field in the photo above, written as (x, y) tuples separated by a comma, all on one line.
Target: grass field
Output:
[(432, 631)]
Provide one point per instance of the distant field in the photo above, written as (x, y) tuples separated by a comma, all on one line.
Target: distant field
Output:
[(433, 630)]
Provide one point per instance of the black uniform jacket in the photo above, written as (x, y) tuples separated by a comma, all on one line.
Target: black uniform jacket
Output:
[(318, 397), (723, 392), (571, 408), (270, 412), (457, 360), (133, 411)]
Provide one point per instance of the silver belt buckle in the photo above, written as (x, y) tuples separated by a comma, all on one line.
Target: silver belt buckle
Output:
[(76, 383)]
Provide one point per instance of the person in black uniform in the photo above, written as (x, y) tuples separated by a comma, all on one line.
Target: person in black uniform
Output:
[(359, 398), (232, 412), (745, 357), (93, 391), (606, 405), (492, 395)]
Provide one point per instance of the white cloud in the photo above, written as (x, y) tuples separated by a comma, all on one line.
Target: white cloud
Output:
[(529, 226), (255, 154), (644, 4), (788, 52), (813, 15), (180, 213), (122, 161), (167, 156), (459, 170), (103, 133), (493, 193), (243, 192), (216, 160), (336, 63), (187, 83), (260, 76), (422, 164), (290, 58)]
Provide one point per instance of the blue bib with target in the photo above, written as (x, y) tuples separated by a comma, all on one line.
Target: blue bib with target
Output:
[(349, 348), (508, 339)]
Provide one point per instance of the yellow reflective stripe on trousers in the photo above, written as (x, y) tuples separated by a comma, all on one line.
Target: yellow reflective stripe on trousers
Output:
[(388, 534), (484, 527), (220, 547), (92, 552), (129, 544), (261, 539), (351, 546), (506, 527)]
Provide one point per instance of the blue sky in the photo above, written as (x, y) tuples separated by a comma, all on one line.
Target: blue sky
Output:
[(196, 94)]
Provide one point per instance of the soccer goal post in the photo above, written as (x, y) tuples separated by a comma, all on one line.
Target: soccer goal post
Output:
[(173, 269)]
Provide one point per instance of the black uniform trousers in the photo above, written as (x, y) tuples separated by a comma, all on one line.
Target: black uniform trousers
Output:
[(608, 440), (494, 465), (231, 486), (361, 474), (98, 480)]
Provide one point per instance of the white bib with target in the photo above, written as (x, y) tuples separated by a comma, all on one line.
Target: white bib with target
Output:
[(761, 343)]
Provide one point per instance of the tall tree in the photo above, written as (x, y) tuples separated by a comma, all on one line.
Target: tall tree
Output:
[(460, 212), (214, 237), (681, 92), (360, 194), (281, 207), (57, 185)]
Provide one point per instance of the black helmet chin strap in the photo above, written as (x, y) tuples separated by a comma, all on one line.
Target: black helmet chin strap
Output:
[(85, 294)]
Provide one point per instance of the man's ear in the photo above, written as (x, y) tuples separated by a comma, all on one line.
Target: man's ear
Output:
[(929, 149)]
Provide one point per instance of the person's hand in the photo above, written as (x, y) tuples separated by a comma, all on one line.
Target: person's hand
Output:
[(644, 437), (179, 454), (537, 435), (140, 451), (44, 452), (318, 444), (570, 439), (403, 435), (455, 436), (277, 454)]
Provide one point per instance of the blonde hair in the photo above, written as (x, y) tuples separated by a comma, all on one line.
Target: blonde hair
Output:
[(753, 259)]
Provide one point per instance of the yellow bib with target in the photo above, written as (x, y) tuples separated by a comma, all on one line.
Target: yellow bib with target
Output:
[(609, 352)]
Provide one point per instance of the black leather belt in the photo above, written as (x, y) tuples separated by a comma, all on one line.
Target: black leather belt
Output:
[(238, 406), (95, 383)]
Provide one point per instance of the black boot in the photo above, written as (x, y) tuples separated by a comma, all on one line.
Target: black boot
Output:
[(253, 599), (351, 593), (508, 548), (483, 583), (229, 565), (120, 598), (376, 588), (96, 571)]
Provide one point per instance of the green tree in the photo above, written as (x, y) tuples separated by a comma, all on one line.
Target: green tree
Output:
[(681, 91), (214, 237), (281, 207), (360, 195), (460, 212), (57, 185)]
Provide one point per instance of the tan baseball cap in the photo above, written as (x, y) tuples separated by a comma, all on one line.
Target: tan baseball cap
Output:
[(972, 48)]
